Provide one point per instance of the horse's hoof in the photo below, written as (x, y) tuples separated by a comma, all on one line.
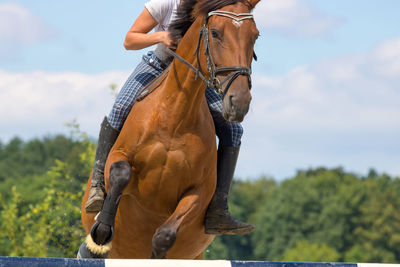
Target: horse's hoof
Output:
[(155, 256), (90, 250), (162, 241)]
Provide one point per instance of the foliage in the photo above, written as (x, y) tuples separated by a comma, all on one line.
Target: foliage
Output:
[(49, 227), (24, 164), (352, 215), (44, 220), (307, 252)]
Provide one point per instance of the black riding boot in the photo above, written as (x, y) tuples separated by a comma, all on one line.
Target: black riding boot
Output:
[(107, 137), (218, 220)]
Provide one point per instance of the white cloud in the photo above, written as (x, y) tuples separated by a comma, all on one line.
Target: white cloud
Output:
[(352, 92), (343, 111), (20, 26), (38, 102), (293, 17), (386, 58)]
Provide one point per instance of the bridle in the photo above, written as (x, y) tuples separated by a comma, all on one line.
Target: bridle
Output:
[(214, 71)]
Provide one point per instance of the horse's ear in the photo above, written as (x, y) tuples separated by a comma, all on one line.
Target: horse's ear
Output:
[(253, 3)]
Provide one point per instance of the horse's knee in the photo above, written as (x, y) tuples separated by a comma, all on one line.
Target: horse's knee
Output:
[(120, 174), (163, 240)]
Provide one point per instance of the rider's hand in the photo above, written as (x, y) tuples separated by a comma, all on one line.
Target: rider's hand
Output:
[(166, 39)]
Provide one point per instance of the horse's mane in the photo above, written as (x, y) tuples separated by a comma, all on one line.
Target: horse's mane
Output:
[(189, 10)]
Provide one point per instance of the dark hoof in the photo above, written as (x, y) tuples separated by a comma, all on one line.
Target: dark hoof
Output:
[(85, 253), (158, 255), (163, 240)]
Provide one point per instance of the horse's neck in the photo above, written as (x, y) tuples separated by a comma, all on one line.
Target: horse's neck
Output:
[(183, 93)]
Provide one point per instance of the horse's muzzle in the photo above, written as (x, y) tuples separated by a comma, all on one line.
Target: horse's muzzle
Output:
[(236, 105)]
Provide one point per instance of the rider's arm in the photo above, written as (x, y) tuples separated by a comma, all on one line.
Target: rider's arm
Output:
[(138, 36)]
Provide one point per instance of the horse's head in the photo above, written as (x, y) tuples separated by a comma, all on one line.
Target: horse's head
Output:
[(232, 33), (227, 38)]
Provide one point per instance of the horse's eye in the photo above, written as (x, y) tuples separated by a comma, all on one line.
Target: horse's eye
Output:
[(215, 34)]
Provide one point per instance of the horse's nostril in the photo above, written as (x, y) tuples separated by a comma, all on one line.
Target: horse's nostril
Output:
[(231, 100)]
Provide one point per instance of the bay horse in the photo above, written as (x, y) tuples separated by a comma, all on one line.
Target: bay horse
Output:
[(161, 173)]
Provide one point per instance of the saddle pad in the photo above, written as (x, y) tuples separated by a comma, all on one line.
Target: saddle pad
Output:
[(153, 85)]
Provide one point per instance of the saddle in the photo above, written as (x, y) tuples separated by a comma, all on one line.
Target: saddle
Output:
[(153, 85)]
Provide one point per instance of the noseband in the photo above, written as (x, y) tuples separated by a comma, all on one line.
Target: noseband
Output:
[(235, 71)]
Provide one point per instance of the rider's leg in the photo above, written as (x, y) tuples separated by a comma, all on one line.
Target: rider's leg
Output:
[(218, 220), (148, 69), (107, 137)]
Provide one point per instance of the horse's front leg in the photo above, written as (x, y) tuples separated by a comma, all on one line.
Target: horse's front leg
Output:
[(189, 208), (98, 243)]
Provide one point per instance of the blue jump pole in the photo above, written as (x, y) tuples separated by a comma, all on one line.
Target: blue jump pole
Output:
[(55, 262)]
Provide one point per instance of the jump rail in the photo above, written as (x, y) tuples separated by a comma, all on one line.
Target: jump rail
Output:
[(56, 262)]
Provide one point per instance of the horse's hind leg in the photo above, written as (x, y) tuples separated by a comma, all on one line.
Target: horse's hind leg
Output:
[(188, 209), (99, 241)]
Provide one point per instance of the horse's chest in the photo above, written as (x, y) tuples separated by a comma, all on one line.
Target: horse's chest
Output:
[(170, 168), (182, 153)]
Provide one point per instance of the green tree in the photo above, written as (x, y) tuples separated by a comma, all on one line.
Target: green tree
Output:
[(377, 228), (49, 226), (356, 217), (308, 252)]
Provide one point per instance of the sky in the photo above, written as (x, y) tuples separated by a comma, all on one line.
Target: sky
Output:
[(326, 86)]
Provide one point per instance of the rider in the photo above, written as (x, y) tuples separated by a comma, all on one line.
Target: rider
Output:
[(157, 15)]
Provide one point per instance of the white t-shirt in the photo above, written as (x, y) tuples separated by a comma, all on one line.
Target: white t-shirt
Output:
[(163, 11)]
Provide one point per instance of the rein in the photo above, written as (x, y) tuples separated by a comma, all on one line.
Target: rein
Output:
[(236, 71)]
